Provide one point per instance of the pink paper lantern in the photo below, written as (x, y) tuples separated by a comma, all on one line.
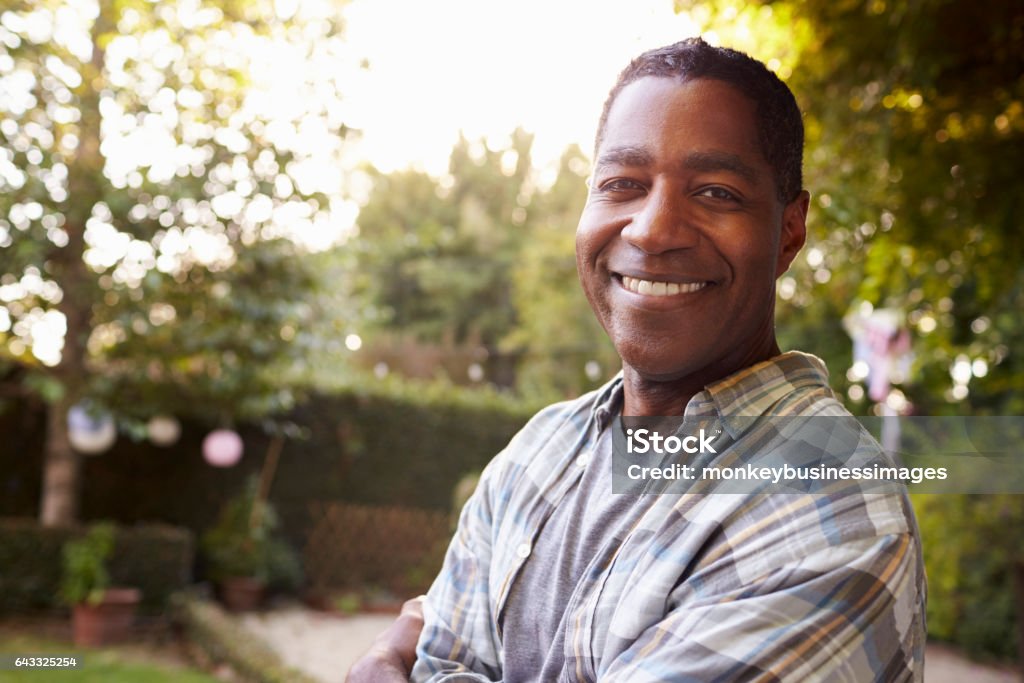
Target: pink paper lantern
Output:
[(222, 448)]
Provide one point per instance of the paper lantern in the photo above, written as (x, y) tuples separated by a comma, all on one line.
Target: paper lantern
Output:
[(163, 430), (222, 448), (90, 434)]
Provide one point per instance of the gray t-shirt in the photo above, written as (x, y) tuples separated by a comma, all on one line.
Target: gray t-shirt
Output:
[(583, 531)]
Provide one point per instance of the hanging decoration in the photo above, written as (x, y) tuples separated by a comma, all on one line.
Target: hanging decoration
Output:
[(90, 433), (163, 430), (881, 348), (882, 356), (222, 448)]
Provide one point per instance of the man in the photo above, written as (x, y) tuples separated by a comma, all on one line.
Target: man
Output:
[(695, 208)]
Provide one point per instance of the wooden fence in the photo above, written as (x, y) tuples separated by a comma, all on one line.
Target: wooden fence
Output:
[(357, 546)]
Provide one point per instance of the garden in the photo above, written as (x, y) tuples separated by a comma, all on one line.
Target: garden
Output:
[(249, 362)]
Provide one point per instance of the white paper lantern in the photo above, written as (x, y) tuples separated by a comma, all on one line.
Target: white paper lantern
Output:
[(222, 448), (90, 434), (163, 430)]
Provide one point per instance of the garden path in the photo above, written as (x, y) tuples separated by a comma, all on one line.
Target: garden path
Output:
[(325, 645)]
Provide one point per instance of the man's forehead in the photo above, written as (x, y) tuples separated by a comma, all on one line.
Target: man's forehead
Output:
[(713, 119)]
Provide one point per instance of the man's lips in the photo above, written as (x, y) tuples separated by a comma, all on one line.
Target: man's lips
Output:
[(661, 286)]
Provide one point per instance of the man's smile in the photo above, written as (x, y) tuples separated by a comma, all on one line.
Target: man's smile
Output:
[(659, 287)]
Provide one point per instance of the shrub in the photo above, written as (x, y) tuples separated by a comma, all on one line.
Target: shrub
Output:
[(970, 543), (84, 562), (155, 558), (244, 543)]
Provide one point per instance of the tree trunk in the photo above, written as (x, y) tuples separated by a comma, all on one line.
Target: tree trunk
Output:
[(61, 469), (62, 465)]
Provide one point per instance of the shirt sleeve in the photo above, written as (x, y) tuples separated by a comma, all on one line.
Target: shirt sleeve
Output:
[(459, 642), (847, 613)]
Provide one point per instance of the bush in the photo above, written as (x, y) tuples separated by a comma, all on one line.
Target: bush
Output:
[(370, 442), (970, 543), (155, 558), (84, 575), (243, 543)]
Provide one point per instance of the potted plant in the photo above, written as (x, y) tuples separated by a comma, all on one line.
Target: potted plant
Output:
[(100, 613), (244, 556)]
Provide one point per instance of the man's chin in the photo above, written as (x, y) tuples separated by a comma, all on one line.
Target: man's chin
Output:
[(666, 372)]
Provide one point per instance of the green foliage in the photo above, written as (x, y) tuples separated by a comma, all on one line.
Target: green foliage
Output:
[(107, 665), (85, 576), (915, 129), (152, 203), (348, 602), (484, 258), (435, 256), (562, 349), (157, 559), (407, 443), (389, 442), (244, 543), (191, 289), (970, 586)]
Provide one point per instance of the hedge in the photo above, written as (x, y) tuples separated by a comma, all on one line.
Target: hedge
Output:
[(155, 558), (970, 545), (404, 444), (379, 443)]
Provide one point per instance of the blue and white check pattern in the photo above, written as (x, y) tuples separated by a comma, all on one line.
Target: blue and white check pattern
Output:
[(760, 587)]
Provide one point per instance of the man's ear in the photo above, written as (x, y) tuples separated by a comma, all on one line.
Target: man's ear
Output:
[(794, 231)]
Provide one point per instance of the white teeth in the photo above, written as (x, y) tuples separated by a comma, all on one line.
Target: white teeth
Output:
[(652, 288)]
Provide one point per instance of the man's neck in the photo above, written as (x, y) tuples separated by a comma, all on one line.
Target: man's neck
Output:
[(646, 396)]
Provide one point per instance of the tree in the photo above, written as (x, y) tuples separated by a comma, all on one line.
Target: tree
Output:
[(563, 350), (915, 129), (435, 255), (150, 192), (484, 256)]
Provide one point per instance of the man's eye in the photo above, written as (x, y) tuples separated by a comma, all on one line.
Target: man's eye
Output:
[(620, 185), (717, 193)]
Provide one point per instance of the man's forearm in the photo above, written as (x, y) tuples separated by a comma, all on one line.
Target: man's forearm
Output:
[(378, 668), (393, 653)]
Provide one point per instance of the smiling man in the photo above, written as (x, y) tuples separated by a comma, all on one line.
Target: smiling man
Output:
[(696, 207)]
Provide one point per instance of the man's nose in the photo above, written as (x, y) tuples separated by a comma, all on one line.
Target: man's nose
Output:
[(663, 223)]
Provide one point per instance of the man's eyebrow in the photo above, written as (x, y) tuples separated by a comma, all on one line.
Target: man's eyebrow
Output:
[(720, 161), (625, 156), (696, 161)]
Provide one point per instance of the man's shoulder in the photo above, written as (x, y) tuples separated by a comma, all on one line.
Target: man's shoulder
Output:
[(570, 416), (550, 435)]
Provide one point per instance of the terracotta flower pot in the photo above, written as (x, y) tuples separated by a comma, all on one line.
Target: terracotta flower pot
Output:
[(109, 621), (242, 593)]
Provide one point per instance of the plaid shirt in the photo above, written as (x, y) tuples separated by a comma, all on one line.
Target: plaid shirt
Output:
[(704, 587)]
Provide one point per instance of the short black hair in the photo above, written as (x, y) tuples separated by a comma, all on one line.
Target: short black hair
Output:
[(780, 127)]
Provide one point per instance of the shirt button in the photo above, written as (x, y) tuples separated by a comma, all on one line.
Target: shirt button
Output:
[(523, 551), (582, 459)]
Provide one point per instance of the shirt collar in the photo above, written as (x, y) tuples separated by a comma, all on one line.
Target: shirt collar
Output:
[(608, 401), (754, 391), (751, 392)]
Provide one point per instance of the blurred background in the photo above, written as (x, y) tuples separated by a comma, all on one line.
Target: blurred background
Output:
[(277, 278)]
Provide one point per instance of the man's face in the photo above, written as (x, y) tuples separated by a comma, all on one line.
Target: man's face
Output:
[(683, 234)]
